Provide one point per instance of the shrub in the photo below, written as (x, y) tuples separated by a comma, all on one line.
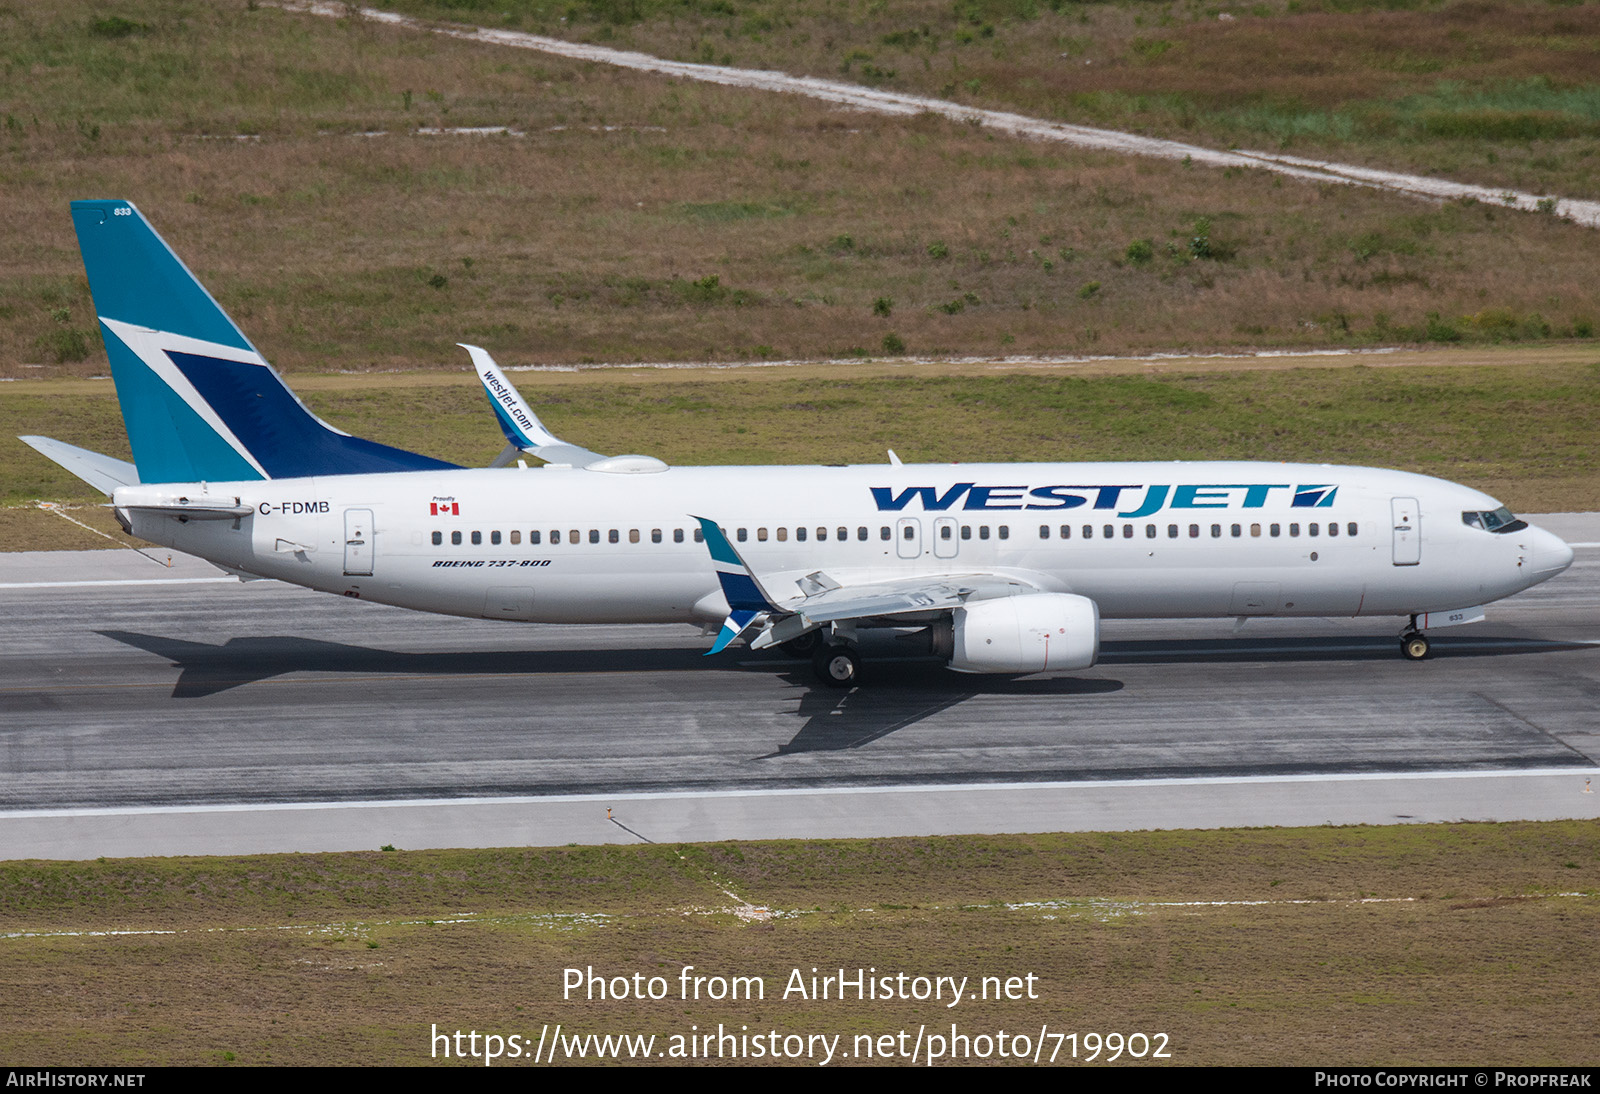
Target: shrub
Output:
[(893, 343), (64, 345), (1088, 290), (1140, 251), (882, 306), (1440, 331)]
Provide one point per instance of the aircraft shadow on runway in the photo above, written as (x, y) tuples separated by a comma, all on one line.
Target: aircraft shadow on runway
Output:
[(1332, 648), (208, 669), (897, 696)]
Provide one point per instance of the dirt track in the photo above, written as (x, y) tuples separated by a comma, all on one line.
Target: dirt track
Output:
[(856, 97)]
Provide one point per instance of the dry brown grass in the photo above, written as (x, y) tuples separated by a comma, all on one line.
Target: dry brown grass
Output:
[(583, 243), (1347, 80)]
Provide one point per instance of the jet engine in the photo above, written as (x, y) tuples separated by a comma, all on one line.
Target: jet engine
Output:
[(1036, 632)]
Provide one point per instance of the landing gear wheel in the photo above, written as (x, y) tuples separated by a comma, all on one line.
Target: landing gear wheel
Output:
[(1414, 646), (804, 646), (837, 666)]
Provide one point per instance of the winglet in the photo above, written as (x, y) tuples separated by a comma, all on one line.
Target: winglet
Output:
[(521, 426), (732, 627), (739, 585)]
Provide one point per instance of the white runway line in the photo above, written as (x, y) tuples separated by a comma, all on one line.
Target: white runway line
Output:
[(805, 792), (120, 581), (873, 100)]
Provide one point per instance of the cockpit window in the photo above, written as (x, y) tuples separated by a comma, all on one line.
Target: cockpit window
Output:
[(1500, 521)]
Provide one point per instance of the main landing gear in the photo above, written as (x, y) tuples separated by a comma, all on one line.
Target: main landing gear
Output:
[(837, 665), (833, 654), (1413, 643)]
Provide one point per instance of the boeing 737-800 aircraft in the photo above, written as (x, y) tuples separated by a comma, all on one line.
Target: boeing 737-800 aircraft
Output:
[(1008, 567)]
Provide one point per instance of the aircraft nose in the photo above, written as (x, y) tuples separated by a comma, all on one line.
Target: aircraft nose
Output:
[(1551, 555)]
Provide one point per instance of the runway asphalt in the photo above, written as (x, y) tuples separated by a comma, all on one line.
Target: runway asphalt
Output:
[(147, 710)]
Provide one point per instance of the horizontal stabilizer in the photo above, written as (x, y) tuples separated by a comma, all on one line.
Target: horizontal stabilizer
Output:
[(104, 473), (185, 509)]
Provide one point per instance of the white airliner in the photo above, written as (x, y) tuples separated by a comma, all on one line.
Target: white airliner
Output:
[(1007, 567)]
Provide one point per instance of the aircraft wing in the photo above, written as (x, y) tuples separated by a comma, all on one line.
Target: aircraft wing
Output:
[(910, 596), (821, 600)]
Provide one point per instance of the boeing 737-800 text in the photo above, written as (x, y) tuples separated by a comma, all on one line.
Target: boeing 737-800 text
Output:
[(1009, 568)]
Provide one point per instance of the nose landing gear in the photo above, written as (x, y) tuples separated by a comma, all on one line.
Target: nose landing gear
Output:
[(1413, 643)]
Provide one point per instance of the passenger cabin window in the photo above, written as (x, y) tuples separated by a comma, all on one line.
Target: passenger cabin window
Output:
[(783, 535), (844, 534), (1294, 529), (1350, 529), (1236, 530), (983, 531), (761, 535), (883, 532), (699, 536), (516, 537), (1088, 531), (1312, 529), (477, 539), (655, 535), (1110, 531), (1194, 531), (1333, 528), (1005, 531), (1127, 531), (494, 537), (966, 531), (533, 536), (911, 532), (822, 534), (1274, 529), (1172, 531), (743, 535), (1216, 531), (1066, 531), (800, 535), (438, 538), (861, 533), (677, 535), (594, 535), (633, 535), (1044, 531), (1149, 531), (455, 538)]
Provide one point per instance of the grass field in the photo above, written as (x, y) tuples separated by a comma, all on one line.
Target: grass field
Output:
[(1522, 430), (643, 219), (1459, 944), (1503, 94)]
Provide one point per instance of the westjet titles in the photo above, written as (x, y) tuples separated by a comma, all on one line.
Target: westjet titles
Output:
[(1154, 499)]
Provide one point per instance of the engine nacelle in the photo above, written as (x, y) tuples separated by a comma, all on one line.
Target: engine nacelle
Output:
[(1037, 632)]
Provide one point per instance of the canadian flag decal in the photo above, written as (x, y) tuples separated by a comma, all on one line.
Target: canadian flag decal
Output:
[(448, 508)]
